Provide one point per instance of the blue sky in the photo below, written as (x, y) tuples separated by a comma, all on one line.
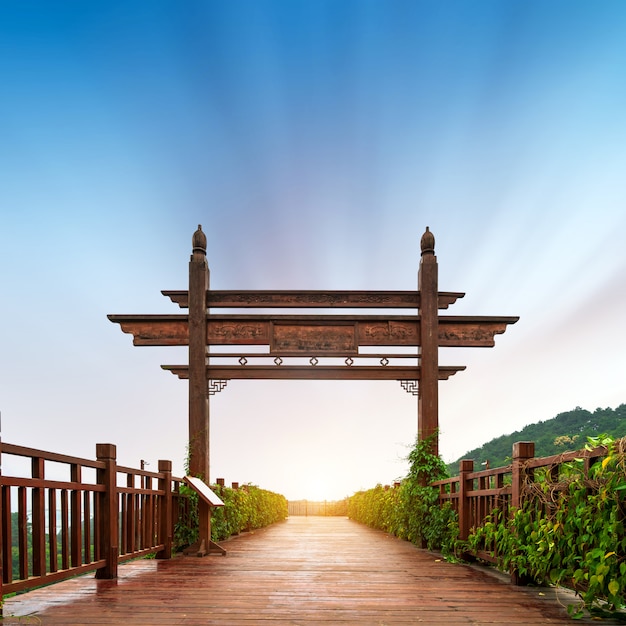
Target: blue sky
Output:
[(314, 141)]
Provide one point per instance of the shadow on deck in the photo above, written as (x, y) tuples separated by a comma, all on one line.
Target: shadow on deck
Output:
[(308, 570)]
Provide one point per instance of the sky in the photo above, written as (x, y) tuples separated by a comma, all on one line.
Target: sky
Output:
[(314, 140)]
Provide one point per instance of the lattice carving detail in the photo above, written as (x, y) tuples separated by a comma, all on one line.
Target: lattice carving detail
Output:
[(410, 386), (215, 386)]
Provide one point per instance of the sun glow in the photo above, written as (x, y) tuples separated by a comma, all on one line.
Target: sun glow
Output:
[(317, 489)]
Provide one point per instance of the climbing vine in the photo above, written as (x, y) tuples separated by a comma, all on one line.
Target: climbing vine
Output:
[(410, 510), (569, 531)]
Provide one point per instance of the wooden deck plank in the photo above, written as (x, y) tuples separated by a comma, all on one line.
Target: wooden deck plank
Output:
[(305, 571)]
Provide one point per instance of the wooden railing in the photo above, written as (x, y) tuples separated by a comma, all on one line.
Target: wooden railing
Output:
[(475, 496), (62, 515), (314, 508)]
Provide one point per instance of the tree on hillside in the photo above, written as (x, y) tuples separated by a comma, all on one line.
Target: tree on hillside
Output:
[(566, 431)]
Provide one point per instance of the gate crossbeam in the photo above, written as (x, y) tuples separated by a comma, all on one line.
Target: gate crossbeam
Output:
[(311, 372), (286, 299), (322, 333)]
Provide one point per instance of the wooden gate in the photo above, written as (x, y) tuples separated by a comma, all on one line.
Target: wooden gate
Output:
[(381, 346)]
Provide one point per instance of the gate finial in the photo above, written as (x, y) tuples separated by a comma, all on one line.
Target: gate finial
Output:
[(428, 243), (198, 241)]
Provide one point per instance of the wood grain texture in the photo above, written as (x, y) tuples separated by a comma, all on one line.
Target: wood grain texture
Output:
[(312, 299), (307, 570)]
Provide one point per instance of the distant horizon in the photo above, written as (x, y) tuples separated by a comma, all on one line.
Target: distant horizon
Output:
[(319, 497)]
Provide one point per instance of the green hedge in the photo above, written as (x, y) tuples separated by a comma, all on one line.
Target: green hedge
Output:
[(246, 508), (410, 510), (570, 533)]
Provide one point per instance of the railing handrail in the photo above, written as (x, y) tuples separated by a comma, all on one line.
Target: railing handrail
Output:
[(49, 483), (567, 457), (534, 462), (17, 450), (487, 473), (75, 526), (476, 495)]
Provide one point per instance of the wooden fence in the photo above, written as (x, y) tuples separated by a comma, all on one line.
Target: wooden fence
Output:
[(475, 495), (309, 507), (62, 515)]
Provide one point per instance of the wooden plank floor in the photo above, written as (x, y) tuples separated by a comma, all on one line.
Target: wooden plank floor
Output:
[(304, 571)]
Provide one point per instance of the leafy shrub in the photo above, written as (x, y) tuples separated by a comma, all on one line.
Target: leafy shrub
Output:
[(569, 532), (186, 527), (246, 508), (411, 510)]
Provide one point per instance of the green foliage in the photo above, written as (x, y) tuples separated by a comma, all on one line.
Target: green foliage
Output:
[(564, 432), (411, 511), (569, 532), (186, 527), (28, 530), (246, 508)]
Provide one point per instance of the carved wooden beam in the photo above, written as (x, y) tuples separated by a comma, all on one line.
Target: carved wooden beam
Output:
[(299, 334), (313, 299), (310, 372), (155, 330), (472, 331)]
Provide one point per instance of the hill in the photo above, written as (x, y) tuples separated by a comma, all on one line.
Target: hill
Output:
[(566, 431)]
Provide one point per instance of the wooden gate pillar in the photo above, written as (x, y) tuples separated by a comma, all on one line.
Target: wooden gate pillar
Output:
[(428, 396), (198, 398)]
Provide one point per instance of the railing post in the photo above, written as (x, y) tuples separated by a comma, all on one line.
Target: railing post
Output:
[(466, 467), (76, 531), (165, 510), (3, 530), (38, 537), (522, 451), (109, 547), (129, 537)]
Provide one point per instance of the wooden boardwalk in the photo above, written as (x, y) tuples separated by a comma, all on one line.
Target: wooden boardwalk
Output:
[(308, 570)]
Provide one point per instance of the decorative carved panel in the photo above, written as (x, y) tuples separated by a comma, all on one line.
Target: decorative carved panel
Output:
[(468, 332), (389, 333), (237, 332), (312, 338)]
